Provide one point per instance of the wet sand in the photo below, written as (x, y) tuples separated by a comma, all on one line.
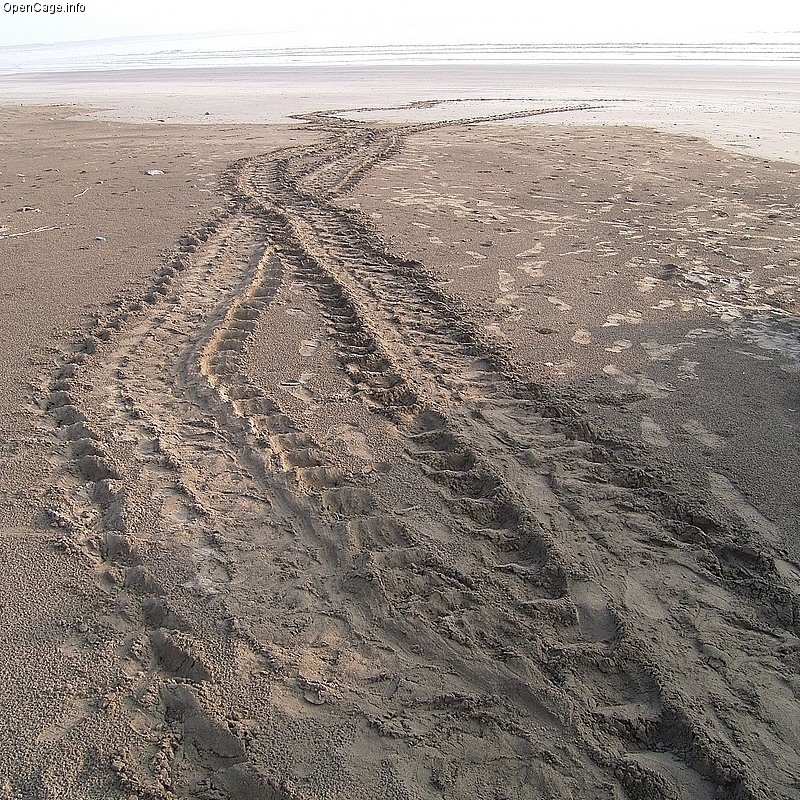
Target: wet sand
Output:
[(397, 461), (750, 108)]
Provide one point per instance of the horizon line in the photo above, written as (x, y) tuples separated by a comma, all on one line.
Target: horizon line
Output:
[(741, 42)]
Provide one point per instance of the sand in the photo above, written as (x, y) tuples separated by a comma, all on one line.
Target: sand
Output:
[(397, 460), (750, 108)]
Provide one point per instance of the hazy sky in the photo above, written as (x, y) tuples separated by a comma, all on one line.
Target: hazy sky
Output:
[(364, 22)]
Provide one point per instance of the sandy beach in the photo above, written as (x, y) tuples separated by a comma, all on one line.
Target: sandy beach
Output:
[(436, 444)]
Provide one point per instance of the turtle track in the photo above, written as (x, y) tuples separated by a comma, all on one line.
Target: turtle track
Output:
[(420, 360), (168, 439)]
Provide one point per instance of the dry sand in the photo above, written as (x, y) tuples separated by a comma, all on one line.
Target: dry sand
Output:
[(404, 461)]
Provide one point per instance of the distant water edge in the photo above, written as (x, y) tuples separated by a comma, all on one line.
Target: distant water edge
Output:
[(227, 51)]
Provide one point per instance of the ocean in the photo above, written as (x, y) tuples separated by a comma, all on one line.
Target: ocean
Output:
[(215, 51)]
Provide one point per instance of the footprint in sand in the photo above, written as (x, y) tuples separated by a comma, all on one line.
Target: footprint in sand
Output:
[(537, 248), (606, 250), (505, 281), (726, 492), (297, 390), (652, 433), (559, 304), (643, 600), (660, 352), (308, 347), (353, 439), (300, 389), (662, 304), (534, 269), (630, 317), (619, 346), (641, 382), (698, 431), (619, 376), (756, 356), (686, 370), (647, 284), (581, 337), (702, 333)]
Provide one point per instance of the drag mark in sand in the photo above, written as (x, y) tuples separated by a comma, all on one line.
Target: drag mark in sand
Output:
[(480, 571)]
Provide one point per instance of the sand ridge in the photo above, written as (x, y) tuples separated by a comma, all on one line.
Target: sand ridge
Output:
[(343, 543)]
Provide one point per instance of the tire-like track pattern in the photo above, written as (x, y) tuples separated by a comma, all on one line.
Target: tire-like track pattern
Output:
[(167, 439)]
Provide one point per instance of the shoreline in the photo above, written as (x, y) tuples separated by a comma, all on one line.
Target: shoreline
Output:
[(748, 109)]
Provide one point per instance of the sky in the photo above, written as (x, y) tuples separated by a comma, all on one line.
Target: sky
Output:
[(298, 23)]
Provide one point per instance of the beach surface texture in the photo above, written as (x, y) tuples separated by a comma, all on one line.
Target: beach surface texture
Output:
[(402, 450)]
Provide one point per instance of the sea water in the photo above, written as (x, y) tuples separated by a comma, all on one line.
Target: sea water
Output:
[(213, 51)]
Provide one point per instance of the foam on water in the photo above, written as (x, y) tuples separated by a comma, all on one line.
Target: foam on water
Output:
[(209, 51)]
